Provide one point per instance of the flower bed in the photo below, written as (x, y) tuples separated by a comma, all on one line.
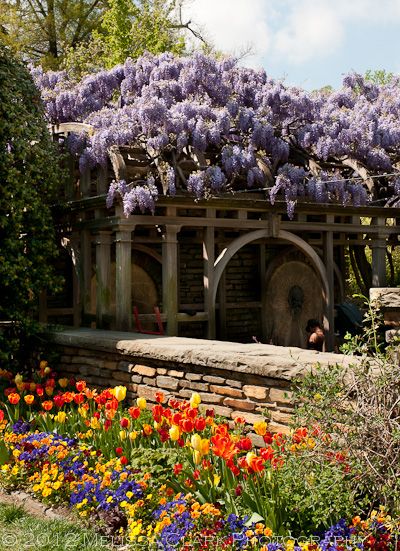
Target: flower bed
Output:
[(176, 476)]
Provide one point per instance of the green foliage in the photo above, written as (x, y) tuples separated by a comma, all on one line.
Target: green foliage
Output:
[(379, 76), (358, 409), (128, 29), (42, 32), (29, 177), (29, 532), (158, 463)]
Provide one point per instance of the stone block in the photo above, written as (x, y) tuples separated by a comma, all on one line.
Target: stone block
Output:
[(149, 381), (110, 364), (282, 396), (144, 370), (214, 380), (161, 371), (147, 392), (167, 382), (256, 392), (233, 383), (193, 376), (250, 418), (245, 405), (256, 439), (122, 377), (177, 374), (280, 417), (192, 385), (211, 398), (226, 391), (136, 379), (218, 410), (276, 427), (386, 297), (126, 367)]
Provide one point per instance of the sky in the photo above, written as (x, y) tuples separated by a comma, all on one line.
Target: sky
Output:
[(308, 43)]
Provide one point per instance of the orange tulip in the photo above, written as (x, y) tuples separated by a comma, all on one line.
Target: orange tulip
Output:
[(14, 398), (47, 405), (223, 446), (29, 399)]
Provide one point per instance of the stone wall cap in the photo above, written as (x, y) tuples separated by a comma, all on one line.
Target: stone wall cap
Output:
[(252, 358)]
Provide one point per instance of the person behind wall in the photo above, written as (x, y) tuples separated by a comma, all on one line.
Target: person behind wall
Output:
[(316, 336)]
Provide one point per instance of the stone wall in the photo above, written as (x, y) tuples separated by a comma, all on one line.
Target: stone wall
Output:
[(247, 380)]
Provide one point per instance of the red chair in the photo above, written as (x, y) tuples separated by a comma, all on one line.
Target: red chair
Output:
[(158, 320)]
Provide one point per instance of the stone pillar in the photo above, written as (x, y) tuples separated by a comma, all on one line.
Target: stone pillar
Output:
[(330, 303), (103, 278), (378, 247), (208, 274), (170, 274), (123, 279)]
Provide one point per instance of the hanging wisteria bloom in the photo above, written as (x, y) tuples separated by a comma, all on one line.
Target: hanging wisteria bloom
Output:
[(220, 127)]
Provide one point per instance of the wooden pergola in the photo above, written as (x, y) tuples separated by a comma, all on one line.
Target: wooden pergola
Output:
[(222, 226)]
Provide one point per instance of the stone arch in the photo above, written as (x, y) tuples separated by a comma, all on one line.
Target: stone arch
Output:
[(225, 256)]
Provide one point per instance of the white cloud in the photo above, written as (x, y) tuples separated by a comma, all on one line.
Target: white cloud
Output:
[(292, 30), (234, 25)]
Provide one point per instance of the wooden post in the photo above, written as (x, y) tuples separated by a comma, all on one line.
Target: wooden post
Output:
[(170, 274), (87, 301), (208, 274), (222, 329), (378, 246), (330, 303), (263, 297), (76, 278), (103, 278), (123, 279)]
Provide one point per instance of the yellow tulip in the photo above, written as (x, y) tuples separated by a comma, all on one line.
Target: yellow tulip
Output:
[(32, 387), (195, 400), (197, 457), (63, 382), (43, 364), (94, 423), (205, 446), (18, 379), (133, 436), (122, 435), (260, 428), (174, 433), (120, 393), (195, 442), (60, 417), (250, 457), (141, 402), (82, 412)]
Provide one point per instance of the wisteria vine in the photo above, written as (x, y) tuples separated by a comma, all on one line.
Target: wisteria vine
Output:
[(237, 127)]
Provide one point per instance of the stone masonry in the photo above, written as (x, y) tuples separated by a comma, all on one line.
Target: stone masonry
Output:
[(252, 381)]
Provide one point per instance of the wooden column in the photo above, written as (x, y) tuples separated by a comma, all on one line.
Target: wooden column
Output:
[(170, 275), (87, 301), (263, 297), (76, 279), (378, 247), (330, 303), (123, 279), (208, 274), (103, 278), (221, 293)]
